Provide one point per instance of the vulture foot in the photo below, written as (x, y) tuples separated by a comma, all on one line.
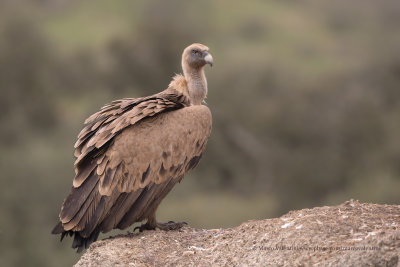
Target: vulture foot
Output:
[(169, 226), (145, 226)]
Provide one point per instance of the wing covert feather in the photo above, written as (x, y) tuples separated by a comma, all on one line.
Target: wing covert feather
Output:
[(102, 127)]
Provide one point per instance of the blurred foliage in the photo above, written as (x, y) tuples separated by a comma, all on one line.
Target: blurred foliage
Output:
[(305, 99)]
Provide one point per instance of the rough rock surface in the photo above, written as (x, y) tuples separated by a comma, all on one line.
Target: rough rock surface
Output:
[(351, 234)]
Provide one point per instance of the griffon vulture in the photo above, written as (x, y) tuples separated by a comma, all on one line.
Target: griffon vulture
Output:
[(132, 152)]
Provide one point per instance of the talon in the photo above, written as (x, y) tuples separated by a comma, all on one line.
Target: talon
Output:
[(143, 227), (171, 225)]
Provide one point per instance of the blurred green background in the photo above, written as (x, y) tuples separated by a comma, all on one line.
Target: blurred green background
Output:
[(305, 96)]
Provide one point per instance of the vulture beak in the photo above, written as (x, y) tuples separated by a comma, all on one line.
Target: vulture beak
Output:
[(208, 58)]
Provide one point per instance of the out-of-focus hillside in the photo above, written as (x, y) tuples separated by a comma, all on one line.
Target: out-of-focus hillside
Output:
[(305, 100)]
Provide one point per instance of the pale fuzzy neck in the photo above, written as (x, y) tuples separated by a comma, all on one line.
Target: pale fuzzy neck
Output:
[(197, 84)]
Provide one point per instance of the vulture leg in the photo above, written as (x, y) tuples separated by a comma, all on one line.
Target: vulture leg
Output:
[(152, 223)]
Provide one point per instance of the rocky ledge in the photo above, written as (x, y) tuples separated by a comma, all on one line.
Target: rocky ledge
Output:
[(351, 234)]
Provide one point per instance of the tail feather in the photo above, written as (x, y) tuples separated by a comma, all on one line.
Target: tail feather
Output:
[(58, 229), (80, 243)]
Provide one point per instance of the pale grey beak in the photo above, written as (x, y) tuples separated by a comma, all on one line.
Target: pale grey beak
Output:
[(208, 58)]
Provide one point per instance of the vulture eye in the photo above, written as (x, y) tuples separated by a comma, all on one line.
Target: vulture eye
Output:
[(196, 52)]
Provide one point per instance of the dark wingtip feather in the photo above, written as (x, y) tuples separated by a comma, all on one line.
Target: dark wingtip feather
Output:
[(58, 229), (80, 249), (80, 243), (62, 236)]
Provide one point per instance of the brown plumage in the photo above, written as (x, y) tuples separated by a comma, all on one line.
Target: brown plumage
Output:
[(133, 151)]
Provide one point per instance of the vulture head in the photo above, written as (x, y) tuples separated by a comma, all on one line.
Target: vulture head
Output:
[(196, 56)]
